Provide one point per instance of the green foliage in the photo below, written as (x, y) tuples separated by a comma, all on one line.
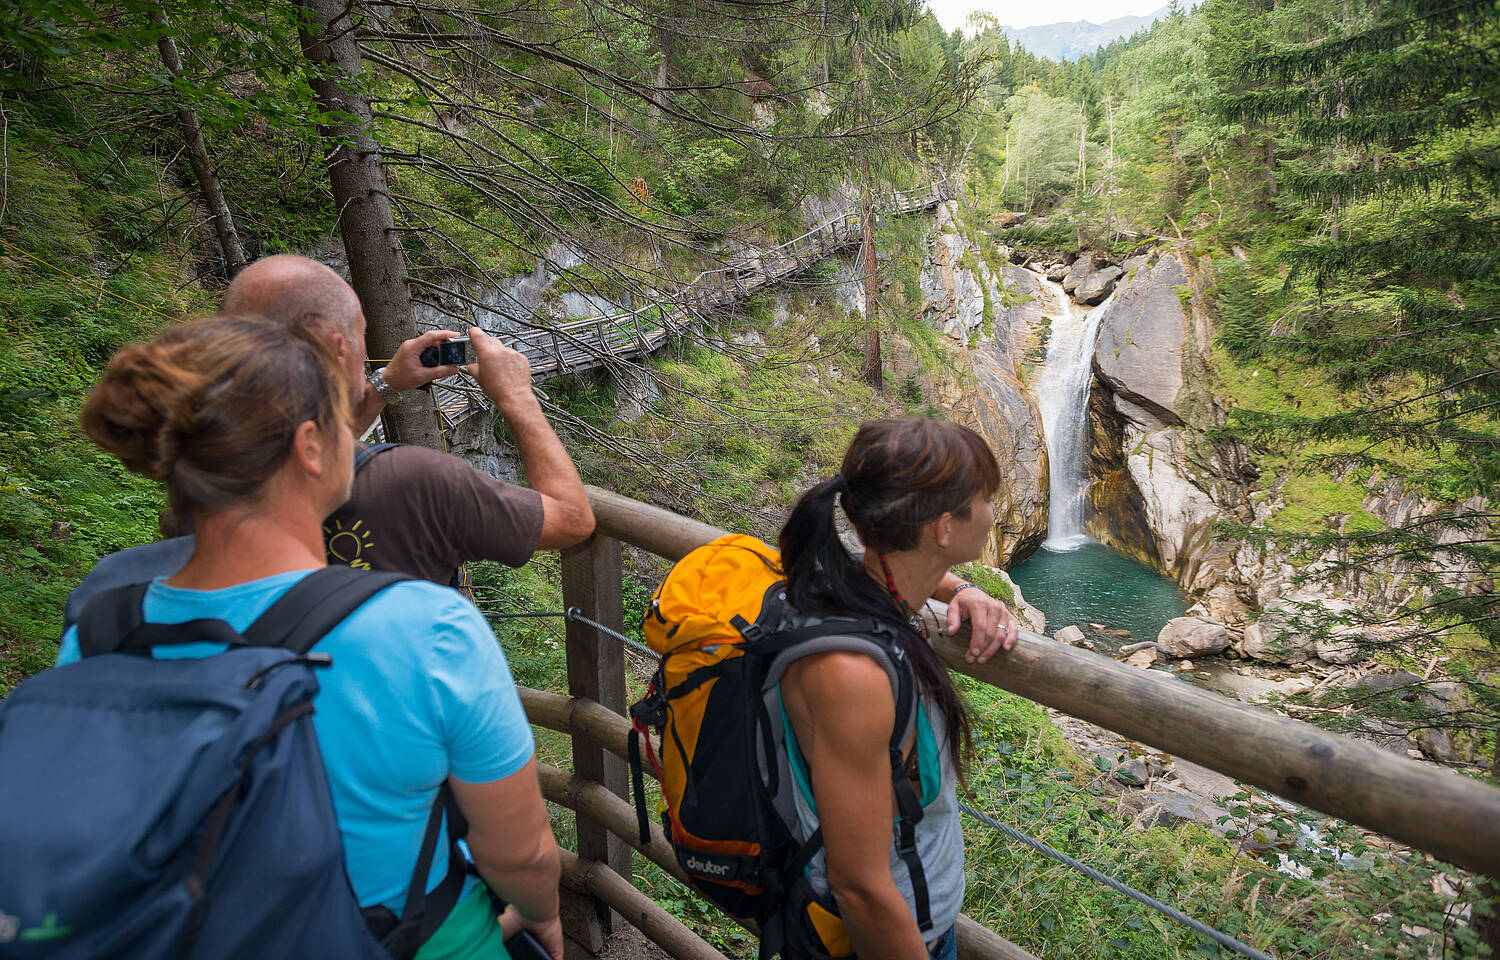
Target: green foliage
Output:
[(1028, 777), (988, 580), (69, 297)]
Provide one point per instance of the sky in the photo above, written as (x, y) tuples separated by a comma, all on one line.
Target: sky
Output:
[(954, 14)]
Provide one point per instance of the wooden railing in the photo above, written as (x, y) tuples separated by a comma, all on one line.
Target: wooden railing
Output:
[(589, 342), (1431, 809)]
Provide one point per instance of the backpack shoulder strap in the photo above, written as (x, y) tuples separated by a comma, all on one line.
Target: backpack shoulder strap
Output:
[(316, 604), (366, 454), (109, 617)]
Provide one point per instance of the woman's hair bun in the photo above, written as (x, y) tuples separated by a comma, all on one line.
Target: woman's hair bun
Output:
[(144, 404), (210, 407)]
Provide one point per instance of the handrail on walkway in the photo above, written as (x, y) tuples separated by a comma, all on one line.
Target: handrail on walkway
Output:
[(585, 342), (1431, 809)]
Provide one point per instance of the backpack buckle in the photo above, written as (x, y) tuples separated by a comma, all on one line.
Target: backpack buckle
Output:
[(649, 711), (750, 631)]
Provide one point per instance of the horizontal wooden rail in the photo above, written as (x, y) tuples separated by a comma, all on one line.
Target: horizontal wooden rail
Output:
[(594, 879), (592, 799), (584, 718), (1436, 810)]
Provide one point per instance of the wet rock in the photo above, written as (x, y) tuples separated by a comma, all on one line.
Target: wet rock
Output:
[(1141, 340), (1142, 658), (1097, 627), (1057, 271), (1130, 648), (1097, 285), (1081, 268), (1072, 636), (1188, 637)]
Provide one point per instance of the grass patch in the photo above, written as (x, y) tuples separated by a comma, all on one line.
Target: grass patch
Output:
[(990, 581)]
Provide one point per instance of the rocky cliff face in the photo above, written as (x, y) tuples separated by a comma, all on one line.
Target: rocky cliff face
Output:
[(1161, 481), (984, 390)]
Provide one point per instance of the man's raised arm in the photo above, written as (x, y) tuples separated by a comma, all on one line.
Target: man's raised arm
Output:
[(505, 377)]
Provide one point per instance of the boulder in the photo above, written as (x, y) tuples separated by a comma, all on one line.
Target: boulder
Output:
[(1386, 681), (1057, 271), (1264, 643), (1141, 339), (1070, 635), (1437, 744), (1342, 648), (1188, 637), (1081, 268), (1445, 696), (1097, 285), (1142, 658)]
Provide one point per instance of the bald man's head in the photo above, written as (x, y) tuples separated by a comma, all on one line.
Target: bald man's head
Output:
[(306, 295), (298, 292)]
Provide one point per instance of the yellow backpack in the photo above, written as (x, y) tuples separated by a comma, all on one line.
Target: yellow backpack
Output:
[(725, 633)]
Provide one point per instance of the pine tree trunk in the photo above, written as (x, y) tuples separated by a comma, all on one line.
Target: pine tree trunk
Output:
[(665, 43), (871, 368), (197, 156), (377, 264)]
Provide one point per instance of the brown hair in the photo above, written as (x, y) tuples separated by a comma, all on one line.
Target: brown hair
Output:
[(210, 407), (904, 473), (897, 476)]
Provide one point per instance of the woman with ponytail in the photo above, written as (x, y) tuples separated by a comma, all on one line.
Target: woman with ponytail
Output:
[(918, 493)]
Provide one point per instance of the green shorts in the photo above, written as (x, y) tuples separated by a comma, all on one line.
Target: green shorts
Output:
[(471, 932)]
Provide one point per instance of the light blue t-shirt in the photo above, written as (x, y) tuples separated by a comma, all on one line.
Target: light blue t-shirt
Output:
[(418, 691)]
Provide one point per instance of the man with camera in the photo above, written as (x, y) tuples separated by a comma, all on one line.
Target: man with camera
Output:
[(412, 510)]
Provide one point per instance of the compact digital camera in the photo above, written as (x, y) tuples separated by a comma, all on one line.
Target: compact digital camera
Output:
[(454, 352)]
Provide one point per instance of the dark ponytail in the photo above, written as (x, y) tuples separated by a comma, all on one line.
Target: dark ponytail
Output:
[(897, 475)]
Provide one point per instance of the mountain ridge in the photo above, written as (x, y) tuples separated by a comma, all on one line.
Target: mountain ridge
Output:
[(1069, 40)]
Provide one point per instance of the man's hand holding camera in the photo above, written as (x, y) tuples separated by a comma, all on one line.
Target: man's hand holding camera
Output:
[(503, 374), (406, 371)]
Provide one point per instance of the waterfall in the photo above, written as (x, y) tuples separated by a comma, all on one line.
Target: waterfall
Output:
[(1063, 395)]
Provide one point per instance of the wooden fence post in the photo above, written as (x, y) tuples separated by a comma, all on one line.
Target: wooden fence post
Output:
[(591, 575)]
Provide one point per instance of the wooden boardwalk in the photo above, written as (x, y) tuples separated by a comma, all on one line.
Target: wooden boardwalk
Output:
[(590, 342)]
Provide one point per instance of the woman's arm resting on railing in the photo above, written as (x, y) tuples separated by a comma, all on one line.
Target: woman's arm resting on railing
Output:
[(511, 840), (993, 627)]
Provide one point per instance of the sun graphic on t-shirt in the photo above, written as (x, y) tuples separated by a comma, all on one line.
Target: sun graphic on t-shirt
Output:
[(347, 546)]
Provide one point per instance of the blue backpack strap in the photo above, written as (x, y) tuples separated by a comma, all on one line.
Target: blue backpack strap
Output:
[(315, 605), (365, 454), (109, 617)]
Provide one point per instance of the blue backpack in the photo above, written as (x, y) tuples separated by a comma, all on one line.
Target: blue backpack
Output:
[(154, 808)]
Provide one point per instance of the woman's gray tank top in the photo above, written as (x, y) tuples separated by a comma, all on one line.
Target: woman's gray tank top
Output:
[(940, 839)]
